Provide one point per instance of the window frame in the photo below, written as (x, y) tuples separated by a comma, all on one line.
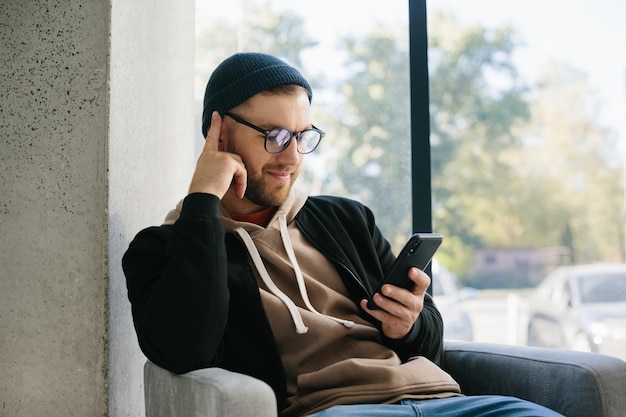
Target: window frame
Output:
[(421, 189)]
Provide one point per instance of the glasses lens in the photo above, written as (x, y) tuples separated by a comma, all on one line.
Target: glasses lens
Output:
[(277, 140), (308, 141)]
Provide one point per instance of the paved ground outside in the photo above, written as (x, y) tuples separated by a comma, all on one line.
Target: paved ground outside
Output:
[(498, 316)]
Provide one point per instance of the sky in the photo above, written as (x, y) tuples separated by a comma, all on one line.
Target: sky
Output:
[(588, 35)]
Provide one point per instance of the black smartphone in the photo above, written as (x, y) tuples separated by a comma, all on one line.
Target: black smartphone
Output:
[(417, 252)]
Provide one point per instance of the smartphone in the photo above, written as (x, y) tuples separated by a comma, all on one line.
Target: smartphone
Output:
[(417, 252)]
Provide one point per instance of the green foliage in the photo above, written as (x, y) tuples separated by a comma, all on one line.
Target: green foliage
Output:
[(376, 153), (473, 122), (280, 34), (573, 170), (516, 166)]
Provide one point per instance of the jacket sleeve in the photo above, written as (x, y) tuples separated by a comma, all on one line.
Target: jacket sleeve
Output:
[(177, 285)]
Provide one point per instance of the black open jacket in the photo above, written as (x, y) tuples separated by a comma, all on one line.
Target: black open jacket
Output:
[(196, 303)]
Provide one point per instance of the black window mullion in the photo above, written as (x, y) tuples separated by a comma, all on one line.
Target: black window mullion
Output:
[(420, 118), (421, 192)]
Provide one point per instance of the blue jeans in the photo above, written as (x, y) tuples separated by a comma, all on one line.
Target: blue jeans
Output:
[(470, 406)]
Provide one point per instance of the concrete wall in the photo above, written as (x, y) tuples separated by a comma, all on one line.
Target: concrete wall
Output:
[(152, 131), (96, 142)]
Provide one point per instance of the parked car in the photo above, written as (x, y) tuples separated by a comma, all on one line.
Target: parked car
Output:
[(457, 324), (581, 308)]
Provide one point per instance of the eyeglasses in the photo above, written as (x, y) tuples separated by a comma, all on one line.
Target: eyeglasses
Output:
[(277, 139)]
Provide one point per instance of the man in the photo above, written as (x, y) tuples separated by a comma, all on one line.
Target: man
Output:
[(250, 275)]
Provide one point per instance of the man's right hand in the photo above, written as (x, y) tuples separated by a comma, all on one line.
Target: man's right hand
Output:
[(216, 169)]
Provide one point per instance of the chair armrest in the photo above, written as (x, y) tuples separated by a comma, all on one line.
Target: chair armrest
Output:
[(206, 393), (575, 384)]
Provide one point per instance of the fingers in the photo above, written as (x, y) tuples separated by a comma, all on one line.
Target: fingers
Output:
[(240, 180), (396, 320), (421, 282), (420, 279), (213, 135), (399, 302)]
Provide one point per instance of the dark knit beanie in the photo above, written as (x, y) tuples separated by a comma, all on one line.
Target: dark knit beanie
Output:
[(242, 76)]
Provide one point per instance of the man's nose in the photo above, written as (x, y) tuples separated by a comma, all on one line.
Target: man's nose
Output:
[(291, 154)]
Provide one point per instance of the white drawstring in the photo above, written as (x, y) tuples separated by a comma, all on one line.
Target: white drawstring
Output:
[(271, 286), (258, 263), (284, 233)]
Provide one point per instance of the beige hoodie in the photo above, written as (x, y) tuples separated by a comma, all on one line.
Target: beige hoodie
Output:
[(330, 354)]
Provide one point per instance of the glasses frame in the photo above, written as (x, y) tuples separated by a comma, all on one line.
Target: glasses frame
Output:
[(266, 133)]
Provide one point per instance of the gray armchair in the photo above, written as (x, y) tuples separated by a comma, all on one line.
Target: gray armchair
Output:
[(576, 384)]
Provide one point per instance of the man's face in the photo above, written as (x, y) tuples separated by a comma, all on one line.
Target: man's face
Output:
[(270, 176)]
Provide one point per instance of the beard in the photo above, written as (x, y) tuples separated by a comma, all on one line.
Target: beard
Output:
[(263, 193)]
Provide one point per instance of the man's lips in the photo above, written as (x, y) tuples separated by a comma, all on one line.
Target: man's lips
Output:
[(280, 175)]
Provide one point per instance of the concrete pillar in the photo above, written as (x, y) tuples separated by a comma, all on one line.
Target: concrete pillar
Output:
[(151, 153), (96, 142)]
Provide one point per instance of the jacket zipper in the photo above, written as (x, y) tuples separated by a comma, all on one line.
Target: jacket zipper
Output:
[(331, 256)]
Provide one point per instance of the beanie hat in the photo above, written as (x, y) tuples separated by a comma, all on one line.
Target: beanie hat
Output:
[(242, 76)]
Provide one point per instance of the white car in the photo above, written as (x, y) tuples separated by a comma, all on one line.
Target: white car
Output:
[(581, 308)]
